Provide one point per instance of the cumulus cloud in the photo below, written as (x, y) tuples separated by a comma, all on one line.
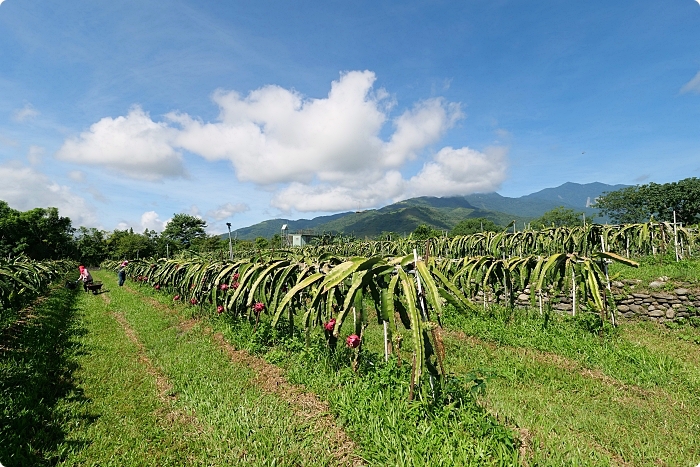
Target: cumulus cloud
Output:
[(322, 154), (350, 195), (134, 145), (451, 172), (460, 171), (694, 84), (151, 220), (24, 188), (76, 176), (275, 135), (35, 155), (28, 112), (227, 210)]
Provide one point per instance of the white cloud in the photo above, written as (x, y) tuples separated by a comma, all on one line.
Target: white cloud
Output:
[(24, 188), (694, 84), (323, 154), (460, 171), (417, 128), (350, 195), (28, 112), (1, 1), (76, 176), (274, 135), (35, 155), (151, 220), (451, 172), (227, 210), (134, 145)]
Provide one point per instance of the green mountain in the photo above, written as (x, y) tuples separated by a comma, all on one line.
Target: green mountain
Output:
[(440, 213)]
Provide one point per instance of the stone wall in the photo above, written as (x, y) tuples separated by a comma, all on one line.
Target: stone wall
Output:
[(658, 306), (632, 302)]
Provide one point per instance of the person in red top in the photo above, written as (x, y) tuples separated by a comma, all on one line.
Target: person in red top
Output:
[(85, 276)]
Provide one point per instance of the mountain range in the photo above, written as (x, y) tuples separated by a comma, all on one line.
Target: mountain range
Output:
[(440, 213)]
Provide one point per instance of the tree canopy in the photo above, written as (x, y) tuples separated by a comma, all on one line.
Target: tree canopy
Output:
[(184, 228), (558, 217), (39, 233), (472, 226), (424, 231), (639, 203)]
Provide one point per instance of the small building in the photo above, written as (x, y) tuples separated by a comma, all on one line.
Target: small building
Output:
[(300, 238)]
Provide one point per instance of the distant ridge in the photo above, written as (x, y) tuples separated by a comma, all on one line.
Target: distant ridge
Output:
[(441, 213)]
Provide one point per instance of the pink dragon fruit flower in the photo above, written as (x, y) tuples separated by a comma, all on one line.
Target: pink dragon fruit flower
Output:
[(258, 307), (330, 325), (176, 298), (353, 341), (157, 286), (193, 301), (235, 277), (235, 285), (219, 309), (223, 286)]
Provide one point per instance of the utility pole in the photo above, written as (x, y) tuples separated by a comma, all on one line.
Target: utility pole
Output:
[(230, 243)]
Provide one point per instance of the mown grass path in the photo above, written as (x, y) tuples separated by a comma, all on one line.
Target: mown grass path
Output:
[(155, 390), (632, 400)]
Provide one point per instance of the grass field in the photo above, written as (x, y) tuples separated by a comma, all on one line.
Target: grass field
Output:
[(127, 378)]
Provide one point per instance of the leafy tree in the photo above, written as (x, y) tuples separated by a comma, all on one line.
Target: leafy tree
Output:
[(472, 226), (39, 233), (424, 231), (639, 203), (125, 244), (261, 243), (625, 206), (559, 217), (209, 243), (184, 228), (91, 246), (276, 241)]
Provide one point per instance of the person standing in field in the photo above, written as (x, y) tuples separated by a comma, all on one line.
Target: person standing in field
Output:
[(85, 276), (121, 274)]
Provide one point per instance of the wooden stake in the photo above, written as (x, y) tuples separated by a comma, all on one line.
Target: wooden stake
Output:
[(675, 236)]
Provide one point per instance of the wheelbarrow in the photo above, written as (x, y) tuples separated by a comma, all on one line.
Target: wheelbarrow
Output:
[(93, 287)]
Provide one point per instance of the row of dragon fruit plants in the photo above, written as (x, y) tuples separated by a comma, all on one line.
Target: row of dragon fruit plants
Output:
[(22, 278), (406, 293), (629, 240)]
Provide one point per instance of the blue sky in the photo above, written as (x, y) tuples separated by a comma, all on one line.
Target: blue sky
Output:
[(124, 113)]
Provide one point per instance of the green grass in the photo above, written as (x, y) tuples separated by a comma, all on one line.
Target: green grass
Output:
[(653, 267), (626, 396)]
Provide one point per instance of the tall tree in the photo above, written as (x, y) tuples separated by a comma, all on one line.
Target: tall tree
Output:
[(472, 226), (639, 203), (183, 228), (424, 231), (39, 233), (125, 244), (559, 217), (91, 246)]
